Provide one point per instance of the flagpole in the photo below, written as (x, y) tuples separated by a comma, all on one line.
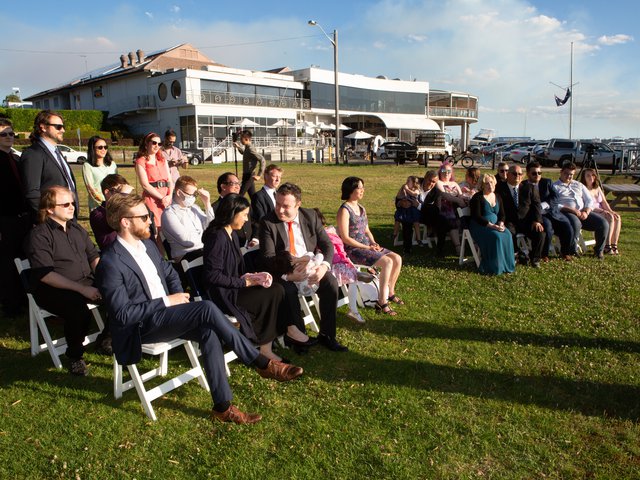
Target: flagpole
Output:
[(571, 97)]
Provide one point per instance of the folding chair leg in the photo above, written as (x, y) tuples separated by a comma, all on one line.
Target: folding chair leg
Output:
[(117, 379), (142, 393), (195, 363)]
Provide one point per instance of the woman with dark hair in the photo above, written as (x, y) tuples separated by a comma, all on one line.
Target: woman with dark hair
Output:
[(361, 247), (153, 174), (253, 298), (98, 165)]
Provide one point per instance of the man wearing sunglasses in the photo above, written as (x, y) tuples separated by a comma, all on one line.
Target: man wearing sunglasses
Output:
[(183, 222), (42, 164), (248, 235), (14, 224), (553, 220), (147, 305), (63, 260)]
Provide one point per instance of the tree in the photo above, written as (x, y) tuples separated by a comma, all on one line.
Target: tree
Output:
[(12, 97)]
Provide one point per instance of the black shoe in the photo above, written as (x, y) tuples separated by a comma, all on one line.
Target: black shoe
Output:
[(292, 341), (331, 343), (599, 256), (523, 259), (103, 344)]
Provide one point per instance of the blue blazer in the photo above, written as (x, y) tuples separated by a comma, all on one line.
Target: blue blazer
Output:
[(128, 298)]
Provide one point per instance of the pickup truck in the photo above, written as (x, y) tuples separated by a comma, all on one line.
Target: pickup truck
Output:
[(562, 150)]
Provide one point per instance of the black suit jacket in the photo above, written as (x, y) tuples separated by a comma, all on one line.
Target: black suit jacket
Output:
[(41, 170), (128, 298), (223, 267), (529, 209), (547, 192), (260, 206), (274, 236), (510, 210)]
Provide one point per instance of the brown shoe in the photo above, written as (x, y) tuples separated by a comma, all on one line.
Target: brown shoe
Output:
[(567, 258), (232, 414), (280, 371)]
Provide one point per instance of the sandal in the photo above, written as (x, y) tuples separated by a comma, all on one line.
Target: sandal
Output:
[(608, 249), (395, 299), (614, 249), (386, 309)]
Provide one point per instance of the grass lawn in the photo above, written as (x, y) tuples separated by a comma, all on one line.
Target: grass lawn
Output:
[(529, 375)]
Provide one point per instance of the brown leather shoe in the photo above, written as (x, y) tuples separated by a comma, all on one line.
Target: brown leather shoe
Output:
[(567, 258), (232, 414), (280, 371)]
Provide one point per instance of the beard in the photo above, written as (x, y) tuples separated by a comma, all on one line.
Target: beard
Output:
[(141, 233)]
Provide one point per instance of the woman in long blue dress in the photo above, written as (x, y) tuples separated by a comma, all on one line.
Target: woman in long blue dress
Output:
[(488, 230)]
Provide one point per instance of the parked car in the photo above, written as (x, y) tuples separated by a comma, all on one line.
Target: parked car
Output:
[(194, 156), (518, 154), (399, 151), (602, 154), (71, 155), (558, 151)]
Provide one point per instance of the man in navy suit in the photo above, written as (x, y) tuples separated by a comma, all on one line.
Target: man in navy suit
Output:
[(146, 305), (553, 220), (298, 231), (42, 165), (264, 201)]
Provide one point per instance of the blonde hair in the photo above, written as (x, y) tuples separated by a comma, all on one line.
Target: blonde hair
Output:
[(488, 178)]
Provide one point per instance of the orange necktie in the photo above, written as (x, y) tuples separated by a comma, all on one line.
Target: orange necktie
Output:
[(292, 240)]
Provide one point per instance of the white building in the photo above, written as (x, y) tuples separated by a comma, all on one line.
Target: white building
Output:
[(182, 89)]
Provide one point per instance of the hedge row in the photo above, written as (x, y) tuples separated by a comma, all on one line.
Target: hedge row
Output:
[(89, 121), (72, 140)]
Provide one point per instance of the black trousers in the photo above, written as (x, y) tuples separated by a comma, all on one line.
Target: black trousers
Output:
[(12, 233), (72, 308), (431, 217), (328, 294), (204, 323)]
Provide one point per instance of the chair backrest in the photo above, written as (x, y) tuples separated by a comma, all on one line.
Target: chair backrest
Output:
[(24, 267), (193, 271), (464, 212)]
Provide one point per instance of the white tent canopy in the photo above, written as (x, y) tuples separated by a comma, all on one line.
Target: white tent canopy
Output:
[(281, 123), (407, 122), (245, 123), (358, 135)]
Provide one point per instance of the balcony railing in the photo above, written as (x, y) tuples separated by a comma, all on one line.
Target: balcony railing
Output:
[(140, 102), (248, 100), (453, 112)]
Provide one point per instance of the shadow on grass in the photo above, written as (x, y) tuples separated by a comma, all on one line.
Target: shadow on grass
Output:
[(422, 329), (586, 397)]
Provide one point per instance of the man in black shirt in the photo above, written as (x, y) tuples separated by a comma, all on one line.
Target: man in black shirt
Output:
[(14, 223), (63, 260)]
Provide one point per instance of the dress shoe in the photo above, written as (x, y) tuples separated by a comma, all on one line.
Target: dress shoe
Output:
[(535, 263), (103, 344), (331, 343), (232, 414), (299, 347), (567, 258), (599, 256), (545, 259), (79, 367), (355, 316), (279, 371)]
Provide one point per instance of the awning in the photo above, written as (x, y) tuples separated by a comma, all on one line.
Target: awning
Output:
[(407, 122)]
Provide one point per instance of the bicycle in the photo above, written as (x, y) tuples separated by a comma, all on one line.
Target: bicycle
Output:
[(464, 158)]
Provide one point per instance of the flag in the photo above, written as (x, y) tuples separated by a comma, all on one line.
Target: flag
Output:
[(559, 102)]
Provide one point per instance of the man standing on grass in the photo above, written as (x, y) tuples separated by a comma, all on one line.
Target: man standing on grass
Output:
[(250, 160), (42, 164), (146, 305)]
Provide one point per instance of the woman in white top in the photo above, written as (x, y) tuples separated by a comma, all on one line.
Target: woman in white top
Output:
[(98, 165)]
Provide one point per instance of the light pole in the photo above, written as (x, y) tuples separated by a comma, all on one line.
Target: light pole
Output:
[(334, 42)]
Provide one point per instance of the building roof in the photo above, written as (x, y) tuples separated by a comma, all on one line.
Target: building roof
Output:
[(178, 57)]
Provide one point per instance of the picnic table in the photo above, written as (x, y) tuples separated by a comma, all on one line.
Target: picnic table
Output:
[(629, 192)]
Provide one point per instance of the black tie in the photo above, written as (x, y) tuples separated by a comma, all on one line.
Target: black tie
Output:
[(65, 171)]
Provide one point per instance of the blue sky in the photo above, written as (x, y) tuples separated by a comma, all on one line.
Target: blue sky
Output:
[(504, 51)]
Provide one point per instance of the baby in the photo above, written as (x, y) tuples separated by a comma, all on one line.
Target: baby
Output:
[(285, 263)]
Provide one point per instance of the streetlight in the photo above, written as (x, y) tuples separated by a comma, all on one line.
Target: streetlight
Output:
[(334, 42)]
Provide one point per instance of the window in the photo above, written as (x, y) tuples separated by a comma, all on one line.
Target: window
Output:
[(176, 89), (162, 92)]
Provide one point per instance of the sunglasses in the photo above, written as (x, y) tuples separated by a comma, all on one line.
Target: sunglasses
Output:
[(101, 147), (188, 195), (153, 142), (66, 205), (446, 171), (232, 183), (144, 217), (536, 174), (57, 126), (7, 134)]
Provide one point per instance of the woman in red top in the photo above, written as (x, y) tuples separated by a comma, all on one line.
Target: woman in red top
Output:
[(153, 173)]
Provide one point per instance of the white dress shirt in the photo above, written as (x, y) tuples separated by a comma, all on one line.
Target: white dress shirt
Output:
[(149, 270), (573, 195), (271, 193), (183, 227)]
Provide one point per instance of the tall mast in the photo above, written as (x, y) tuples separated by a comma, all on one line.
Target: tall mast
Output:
[(571, 97)]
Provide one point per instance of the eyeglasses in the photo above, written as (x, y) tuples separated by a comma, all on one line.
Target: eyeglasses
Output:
[(536, 174), (232, 183), (57, 126), (7, 134), (101, 147), (66, 205), (153, 142), (517, 174), (187, 195), (144, 217)]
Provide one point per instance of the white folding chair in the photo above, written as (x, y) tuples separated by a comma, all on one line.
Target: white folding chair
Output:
[(38, 325), (137, 381), (583, 244), (467, 239), (192, 270)]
